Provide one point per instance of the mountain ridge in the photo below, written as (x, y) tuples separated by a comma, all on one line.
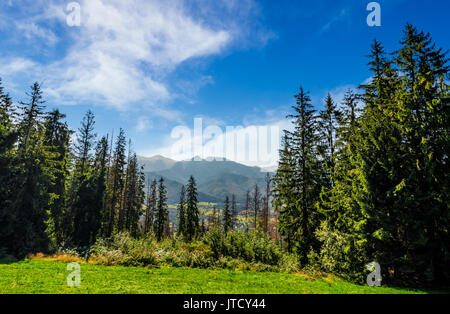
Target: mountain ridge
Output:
[(216, 177)]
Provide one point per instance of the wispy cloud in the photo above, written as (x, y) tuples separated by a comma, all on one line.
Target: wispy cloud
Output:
[(33, 31), (341, 15), (123, 51)]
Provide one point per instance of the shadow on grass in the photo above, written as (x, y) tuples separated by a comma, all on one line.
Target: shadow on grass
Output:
[(426, 290), (7, 259)]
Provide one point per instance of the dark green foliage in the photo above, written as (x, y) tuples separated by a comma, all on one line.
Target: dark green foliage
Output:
[(57, 138), (100, 173), (133, 197), (234, 212), (161, 211), (327, 124), (297, 183), (182, 213), (385, 177), (8, 136), (266, 205), (85, 207), (192, 212), (150, 211), (256, 202), (117, 184), (252, 247), (227, 218), (284, 192), (86, 138), (32, 179), (53, 197)]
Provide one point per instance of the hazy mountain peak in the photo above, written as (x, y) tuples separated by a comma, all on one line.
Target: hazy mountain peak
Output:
[(156, 163)]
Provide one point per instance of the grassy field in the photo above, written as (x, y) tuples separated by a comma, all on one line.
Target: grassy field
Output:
[(44, 277)]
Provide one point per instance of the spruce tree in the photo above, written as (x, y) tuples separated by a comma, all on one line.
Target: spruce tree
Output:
[(234, 213), (117, 186), (57, 138), (134, 196), (99, 214), (85, 142), (161, 211), (327, 124), (83, 205), (8, 137), (301, 160), (285, 192), (127, 193), (266, 206), (422, 114), (32, 179), (227, 218), (182, 212), (151, 206), (246, 209), (192, 212), (256, 203)]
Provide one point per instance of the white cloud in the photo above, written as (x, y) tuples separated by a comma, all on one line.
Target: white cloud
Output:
[(121, 53), (125, 48), (17, 65), (33, 31)]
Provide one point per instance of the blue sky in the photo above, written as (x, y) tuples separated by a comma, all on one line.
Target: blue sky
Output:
[(149, 66)]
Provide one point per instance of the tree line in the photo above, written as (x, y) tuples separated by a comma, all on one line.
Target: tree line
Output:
[(66, 189), (368, 180), (57, 194)]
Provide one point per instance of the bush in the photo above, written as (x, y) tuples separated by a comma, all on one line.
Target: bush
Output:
[(240, 250), (124, 250), (342, 254), (250, 247)]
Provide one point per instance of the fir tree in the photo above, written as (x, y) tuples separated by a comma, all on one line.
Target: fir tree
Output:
[(86, 138), (8, 137), (266, 206), (151, 206), (285, 192), (227, 218), (306, 170), (161, 211), (182, 213), (192, 212), (246, 209), (117, 186), (328, 120), (256, 203), (234, 213), (99, 213), (57, 138), (32, 179)]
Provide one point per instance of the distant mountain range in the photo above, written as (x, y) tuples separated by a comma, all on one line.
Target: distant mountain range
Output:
[(215, 179)]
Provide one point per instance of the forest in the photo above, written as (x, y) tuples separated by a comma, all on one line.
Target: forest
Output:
[(362, 181)]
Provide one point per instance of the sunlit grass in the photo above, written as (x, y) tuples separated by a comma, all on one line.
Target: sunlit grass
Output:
[(47, 276)]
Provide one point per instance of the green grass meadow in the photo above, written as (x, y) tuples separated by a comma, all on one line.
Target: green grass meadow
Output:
[(49, 277)]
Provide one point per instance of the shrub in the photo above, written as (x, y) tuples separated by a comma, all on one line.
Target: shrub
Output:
[(342, 254), (124, 250), (250, 247), (240, 250)]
